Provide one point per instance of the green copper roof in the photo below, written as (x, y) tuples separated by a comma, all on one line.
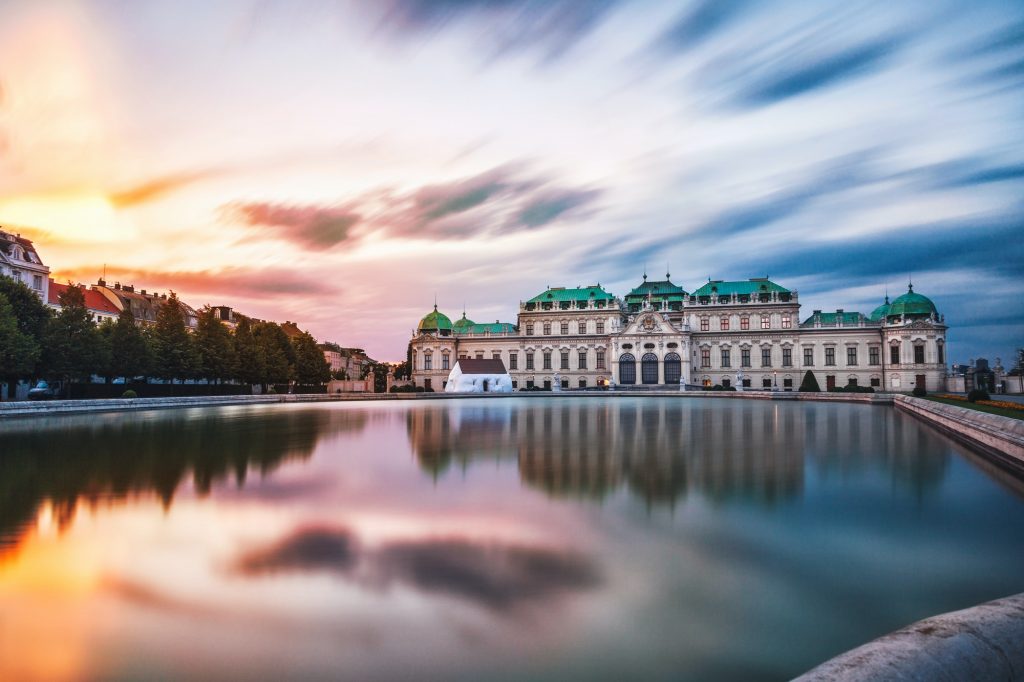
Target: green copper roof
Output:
[(486, 328), (559, 294), (753, 286), (462, 323), (881, 311), (833, 319), (661, 290), (912, 304), (435, 321)]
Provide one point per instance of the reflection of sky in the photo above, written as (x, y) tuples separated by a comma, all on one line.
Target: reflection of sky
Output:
[(354, 556), (284, 158)]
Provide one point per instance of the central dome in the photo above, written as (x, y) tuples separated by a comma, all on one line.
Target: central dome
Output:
[(435, 321), (911, 304)]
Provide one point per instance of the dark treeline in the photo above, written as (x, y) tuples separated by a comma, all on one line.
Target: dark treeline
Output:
[(68, 346)]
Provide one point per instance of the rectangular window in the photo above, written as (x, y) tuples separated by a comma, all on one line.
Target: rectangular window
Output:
[(427, 385), (513, 361), (37, 282), (600, 359), (547, 329), (744, 323), (565, 329), (600, 326), (547, 359), (876, 382), (565, 360), (786, 322), (787, 383), (445, 361), (745, 357), (787, 357), (873, 355), (428, 361), (851, 356), (529, 361), (581, 327), (479, 356), (830, 356), (726, 383), (766, 322), (808, 357), (705, 357), (766, 357), (725, 358), (766, 383), (919, 355), (705, 324), (942, 357), (724, 323), (583, 359), (894, 355), (529, 383), (515, 384), (529, 330)]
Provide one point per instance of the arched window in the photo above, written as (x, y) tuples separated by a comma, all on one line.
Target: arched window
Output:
[(649, 368), (627, 369), (673, 368)]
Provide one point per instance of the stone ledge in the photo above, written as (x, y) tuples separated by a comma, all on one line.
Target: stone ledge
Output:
[(985, 642)]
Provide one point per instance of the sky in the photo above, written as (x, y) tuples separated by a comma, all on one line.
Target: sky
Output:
[(341, 164)]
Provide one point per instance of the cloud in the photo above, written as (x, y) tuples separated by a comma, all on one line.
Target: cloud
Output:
[(699, 24), (158, 187), (306, 549), (315, 227)]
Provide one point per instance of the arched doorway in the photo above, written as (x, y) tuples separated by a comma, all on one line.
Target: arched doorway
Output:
[(627, 369), (673, 368), (649, 368)]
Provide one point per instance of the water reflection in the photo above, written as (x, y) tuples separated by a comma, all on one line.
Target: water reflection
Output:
[(661, 450), (109, 458)]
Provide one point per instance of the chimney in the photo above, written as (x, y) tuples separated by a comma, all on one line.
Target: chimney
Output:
[(142, 291), (117, 286), (101, 282)]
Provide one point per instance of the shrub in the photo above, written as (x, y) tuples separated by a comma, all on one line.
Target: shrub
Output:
[(978, 394), (129, 394), (271, 391), (919, 392), (810, 383)]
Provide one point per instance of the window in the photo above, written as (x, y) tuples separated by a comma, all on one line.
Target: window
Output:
[(529, 361), (583, 359), (649, 368), (445, 361), (876, 382), (583, 382), (787, 357), (37, 282), (745, 357), (480, 355), (565, 329), (766, 322), (873, 355), (513, 361), (547, 359), (529, 330), (547, 329), (627, 369), (918, 355), (894, 355), (786, 322), (941, 356), (673, 368), (766, 357), (705, 357), (547, 384), (808, 357), (565, 360), (495, 356), (787, 383), (830, 355), (744, 323), (746, 383), (726, 383), (600, 359), (428, 361), (705, 324), (852, 381), (529, 383), (426, 385), (723, 323), (600, 326), (851, 355), (515, 384), (581, 327), (725, 357), (766, 383)]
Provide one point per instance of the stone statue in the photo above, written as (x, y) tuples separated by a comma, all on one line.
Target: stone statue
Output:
[(556, 385)]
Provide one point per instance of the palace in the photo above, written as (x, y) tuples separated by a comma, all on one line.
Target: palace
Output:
[(747, 334)]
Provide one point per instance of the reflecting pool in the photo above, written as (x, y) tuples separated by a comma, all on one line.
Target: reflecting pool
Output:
[(523, 538)]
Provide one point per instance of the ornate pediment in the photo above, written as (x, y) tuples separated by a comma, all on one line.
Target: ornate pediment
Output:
[(649, 323)]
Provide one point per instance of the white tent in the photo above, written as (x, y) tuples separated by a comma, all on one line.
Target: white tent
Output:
[(471, 375)]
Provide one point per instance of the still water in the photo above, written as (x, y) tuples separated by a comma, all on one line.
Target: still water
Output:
[(524, 538)]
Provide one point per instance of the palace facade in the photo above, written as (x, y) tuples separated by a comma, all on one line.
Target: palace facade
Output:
[(747, 334)]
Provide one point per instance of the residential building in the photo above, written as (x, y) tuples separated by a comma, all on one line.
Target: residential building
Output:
[(20, 260)]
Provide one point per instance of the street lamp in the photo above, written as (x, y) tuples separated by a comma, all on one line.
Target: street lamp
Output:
[(775, 381)]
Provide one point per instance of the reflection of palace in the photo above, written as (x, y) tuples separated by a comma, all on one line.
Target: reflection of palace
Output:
[(663, 449), (723, 333)]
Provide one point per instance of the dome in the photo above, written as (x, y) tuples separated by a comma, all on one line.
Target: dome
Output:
[(881, 311), (911, 304), (435, 322), (463, 324)]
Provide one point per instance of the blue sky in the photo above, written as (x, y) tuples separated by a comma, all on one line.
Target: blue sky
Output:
[(340, 163)]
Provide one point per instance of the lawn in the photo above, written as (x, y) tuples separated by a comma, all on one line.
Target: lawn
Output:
[(1001, 411)]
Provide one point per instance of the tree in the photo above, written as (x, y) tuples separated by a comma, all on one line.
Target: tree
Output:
[(130, 353), (174, 355), (31, 316), (277, 349), (214, 349), (810, 383), (311, 368), (252, 361), (72, 347), (19, 352), (380, 376)]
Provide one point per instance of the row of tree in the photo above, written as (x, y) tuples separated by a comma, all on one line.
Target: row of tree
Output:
[(68, 345)]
